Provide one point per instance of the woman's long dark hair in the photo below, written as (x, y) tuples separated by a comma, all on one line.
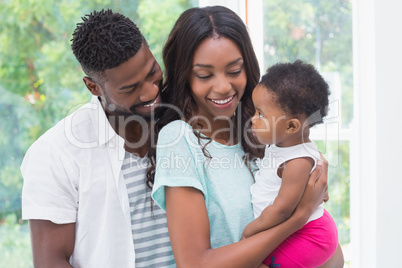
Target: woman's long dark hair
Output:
[(194, 26)]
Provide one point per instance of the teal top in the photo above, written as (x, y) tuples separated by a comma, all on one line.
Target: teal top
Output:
[(224, 180)]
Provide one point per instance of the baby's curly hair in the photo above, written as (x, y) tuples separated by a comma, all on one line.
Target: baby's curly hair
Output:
[(104, 40), (298, 89)]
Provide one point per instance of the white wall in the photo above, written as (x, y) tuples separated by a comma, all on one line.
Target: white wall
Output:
[(388, 28), (376, 193)]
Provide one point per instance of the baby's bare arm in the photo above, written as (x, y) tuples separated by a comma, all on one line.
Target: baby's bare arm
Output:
[(294, 178)]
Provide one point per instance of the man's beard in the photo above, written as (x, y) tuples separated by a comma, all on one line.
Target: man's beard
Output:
[(154, 115)]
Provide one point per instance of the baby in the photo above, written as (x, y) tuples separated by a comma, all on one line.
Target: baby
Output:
[(289, 100)]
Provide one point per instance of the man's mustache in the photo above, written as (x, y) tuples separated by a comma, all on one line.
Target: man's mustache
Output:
[(132, 108)]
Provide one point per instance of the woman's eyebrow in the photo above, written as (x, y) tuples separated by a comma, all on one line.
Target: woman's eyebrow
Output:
[(211, 66), (202, 65), (234, 62)]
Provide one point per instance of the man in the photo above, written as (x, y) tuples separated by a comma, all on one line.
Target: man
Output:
[(84, 190)]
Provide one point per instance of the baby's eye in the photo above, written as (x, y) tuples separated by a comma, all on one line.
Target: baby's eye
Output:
[(260, 115)]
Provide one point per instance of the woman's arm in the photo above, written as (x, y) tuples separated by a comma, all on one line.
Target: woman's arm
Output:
[(294, 175), (189, 229)]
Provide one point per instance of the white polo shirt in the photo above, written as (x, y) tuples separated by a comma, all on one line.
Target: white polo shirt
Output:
[(73, 174)]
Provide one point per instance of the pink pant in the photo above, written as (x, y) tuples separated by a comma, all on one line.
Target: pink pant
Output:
[(309, 247)]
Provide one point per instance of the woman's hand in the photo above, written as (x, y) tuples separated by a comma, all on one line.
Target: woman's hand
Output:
[(325, 162)]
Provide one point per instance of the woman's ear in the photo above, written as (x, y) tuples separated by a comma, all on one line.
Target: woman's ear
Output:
[(92, 86), (293, 126)]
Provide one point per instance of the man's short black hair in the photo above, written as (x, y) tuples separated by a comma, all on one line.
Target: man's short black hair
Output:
[(299, 90), (105, 40)]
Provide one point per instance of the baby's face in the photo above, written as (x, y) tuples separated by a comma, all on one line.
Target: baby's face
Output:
[(269, 123)]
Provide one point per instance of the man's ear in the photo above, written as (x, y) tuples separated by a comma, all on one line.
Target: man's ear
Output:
[(293, 125), (93, 87)]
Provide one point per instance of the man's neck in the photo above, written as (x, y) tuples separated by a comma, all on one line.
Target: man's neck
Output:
[(136, 134), (137, 139)]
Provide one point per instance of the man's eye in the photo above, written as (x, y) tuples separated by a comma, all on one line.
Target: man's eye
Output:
[(260, 115), (131, 90)]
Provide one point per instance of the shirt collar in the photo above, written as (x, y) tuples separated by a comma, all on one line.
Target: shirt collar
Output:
[(101, 123)]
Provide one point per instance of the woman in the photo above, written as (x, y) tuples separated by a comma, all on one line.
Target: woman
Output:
[(211, 70)]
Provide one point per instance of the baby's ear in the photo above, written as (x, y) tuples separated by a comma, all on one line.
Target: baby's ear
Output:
[(293, 126)]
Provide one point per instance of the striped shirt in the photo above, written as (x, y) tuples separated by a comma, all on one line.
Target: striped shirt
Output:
[(149, 227)]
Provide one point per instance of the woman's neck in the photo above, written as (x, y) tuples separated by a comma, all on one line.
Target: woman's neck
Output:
[(222, 131)]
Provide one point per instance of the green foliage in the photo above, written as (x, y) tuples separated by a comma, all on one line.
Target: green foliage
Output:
[(318, 32), (40, 77), (15, 244), (337, 155), (155, 27)]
